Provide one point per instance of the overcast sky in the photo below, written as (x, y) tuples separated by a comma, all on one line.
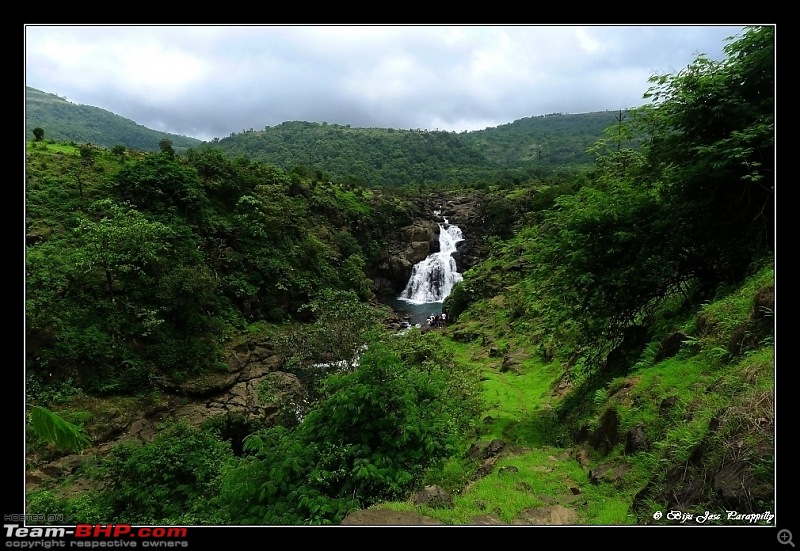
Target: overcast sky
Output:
[(208, 81)]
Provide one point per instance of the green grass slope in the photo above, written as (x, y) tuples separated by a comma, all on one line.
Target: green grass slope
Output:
[(689, 425)]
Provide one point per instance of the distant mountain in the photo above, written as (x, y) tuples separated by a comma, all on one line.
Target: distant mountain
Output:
[(557, 138), (62, 120), (507, 153), (387, 156)]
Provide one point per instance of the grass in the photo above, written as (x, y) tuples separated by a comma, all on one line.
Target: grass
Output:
[(695, 401), (679, 402), (51, 147)]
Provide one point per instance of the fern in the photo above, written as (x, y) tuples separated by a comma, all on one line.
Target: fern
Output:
[(600, 396), (52, 428)]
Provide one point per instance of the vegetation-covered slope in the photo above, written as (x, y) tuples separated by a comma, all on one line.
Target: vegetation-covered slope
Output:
[(389, 157), (143, 263), (557, 139), (62, 120), (687, 424), (509, 153), (618, 340)]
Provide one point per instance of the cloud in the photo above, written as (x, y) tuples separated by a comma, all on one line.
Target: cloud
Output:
[(208, 81)]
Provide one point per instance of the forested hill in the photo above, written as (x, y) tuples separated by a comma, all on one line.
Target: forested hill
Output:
[(554, 139), (66, 121), (508, 153), (609, 358)]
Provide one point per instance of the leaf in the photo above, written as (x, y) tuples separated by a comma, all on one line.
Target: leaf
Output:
[(58, 431)]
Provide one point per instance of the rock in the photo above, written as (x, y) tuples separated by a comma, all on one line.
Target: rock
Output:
[(670, 346), (371, 517), (432, 496), (491, 449), (636, 440), (606, 434), (608, 473), (667, 403), (548, 515)]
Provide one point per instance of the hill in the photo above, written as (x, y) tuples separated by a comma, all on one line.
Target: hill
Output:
[(70, 122), (554, 139), (610, 359), (509, 153)]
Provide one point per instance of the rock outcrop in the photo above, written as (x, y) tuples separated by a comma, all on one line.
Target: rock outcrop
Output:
[(413, 243)]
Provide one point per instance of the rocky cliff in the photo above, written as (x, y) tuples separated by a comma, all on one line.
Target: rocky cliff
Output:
[(413, 243)]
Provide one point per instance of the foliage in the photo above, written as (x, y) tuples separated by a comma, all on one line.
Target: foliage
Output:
[(66, 121), (689, 211), (159, 482), (57, 509), (165, 145), (162, 255), (397, 157), (713, 146), (332, 343), (160, 184), (581, 262), (370, 438), (88, 154), (52, 428), (84, 289), (46, 393)]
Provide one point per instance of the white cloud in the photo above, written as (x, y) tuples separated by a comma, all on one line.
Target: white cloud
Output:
[(208, 81)]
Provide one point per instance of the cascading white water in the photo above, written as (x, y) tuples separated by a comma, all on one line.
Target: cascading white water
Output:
[(432, 279)]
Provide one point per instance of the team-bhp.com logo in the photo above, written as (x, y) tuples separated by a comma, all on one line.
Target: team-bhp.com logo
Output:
[(96, 535)]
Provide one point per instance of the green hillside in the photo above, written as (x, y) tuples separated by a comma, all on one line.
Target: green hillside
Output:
[(62, 120), (548, 140), (510, 153), (204, 345)]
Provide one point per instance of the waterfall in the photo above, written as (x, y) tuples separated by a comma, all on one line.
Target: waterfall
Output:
[(433, 278)]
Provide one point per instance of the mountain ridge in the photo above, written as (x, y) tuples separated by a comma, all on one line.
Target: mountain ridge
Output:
[(509, 153)]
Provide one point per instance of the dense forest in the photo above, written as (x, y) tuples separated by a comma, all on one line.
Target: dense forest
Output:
[(510, 153), (612, 291)]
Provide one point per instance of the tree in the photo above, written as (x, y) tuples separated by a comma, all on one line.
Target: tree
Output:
[(712, 145), (88, 155), (166, 147), (38, 134), (159, 183), (691, 211), (122, 242), (334, 342)]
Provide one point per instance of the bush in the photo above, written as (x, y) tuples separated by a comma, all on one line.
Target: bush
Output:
[(370, 438), (173, 475)]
